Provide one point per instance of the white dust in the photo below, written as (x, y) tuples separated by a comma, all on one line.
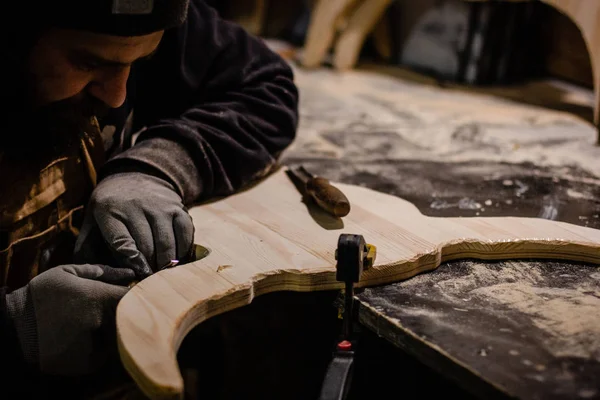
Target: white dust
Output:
[(436, 123), (569, 316)]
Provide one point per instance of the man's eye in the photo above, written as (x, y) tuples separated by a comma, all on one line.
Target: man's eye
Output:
[(84, 63), (86, 66)]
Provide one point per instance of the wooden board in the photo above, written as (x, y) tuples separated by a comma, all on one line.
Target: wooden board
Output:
[(360, 24), (586, 15), (322, 30), (266, 239)]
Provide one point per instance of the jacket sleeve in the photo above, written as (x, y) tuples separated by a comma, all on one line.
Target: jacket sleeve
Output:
[(213, 109)]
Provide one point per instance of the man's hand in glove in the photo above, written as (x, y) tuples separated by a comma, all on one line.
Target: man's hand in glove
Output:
[(65, 317), (141, 219)]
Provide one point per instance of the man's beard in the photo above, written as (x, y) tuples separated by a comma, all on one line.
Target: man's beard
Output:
[(35, 139), (60, 124), (68, 118)]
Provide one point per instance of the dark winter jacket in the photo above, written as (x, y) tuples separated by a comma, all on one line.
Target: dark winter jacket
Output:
[(210, 111)]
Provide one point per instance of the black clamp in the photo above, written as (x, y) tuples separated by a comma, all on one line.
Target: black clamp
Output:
[(353, 256)]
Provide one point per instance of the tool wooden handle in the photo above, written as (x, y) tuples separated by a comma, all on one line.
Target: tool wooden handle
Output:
[(328, 197)]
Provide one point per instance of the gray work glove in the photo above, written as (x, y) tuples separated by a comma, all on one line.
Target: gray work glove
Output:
[(142, 221), (65, 317)]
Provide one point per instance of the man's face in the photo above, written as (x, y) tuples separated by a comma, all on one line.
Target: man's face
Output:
[(81, 73)]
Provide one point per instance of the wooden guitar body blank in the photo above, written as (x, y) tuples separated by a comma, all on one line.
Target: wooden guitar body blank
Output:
[(265, 239)]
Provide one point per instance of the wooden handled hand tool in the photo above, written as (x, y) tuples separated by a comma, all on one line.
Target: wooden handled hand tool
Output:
[(327, 196)]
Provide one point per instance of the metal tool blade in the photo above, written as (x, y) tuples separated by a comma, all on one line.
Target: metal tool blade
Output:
[(301, 170), (298, 178), (302, 174)]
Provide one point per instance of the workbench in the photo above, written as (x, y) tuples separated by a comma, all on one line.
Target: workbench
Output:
[(468, 328), (524, 329), (527, 329)]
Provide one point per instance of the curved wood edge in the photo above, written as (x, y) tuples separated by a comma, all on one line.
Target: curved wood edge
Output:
[(360, 25), (160, 378), (586, 16), (383, 38), (322, 30), (157, 314)]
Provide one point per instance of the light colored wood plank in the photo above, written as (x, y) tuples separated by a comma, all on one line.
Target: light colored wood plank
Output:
[(360, 25), (322, 30), (382, 38), (259, 16), (586, 15), (250, 15), (264, 239)]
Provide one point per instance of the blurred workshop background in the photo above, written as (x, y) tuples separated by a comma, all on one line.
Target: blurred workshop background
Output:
[(546, 47), (475, 42)]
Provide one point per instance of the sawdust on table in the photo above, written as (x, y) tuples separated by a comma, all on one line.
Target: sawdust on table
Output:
[(432, 123), (568, 315)]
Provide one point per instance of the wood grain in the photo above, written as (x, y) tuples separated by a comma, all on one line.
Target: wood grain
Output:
[(266, 239)]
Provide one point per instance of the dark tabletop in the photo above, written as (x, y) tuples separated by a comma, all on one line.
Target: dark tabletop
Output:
[(528, 329), (522, 328)]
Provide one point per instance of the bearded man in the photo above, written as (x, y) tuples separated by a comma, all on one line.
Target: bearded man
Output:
[(118, 115)]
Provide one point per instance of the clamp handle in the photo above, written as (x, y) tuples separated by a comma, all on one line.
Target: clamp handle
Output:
[(338, 378), (354, 256)]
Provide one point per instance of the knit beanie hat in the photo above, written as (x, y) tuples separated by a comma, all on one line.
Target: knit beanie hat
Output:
[(115, 17)]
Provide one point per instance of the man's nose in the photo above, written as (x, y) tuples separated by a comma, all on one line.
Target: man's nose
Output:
[(111, 87)]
